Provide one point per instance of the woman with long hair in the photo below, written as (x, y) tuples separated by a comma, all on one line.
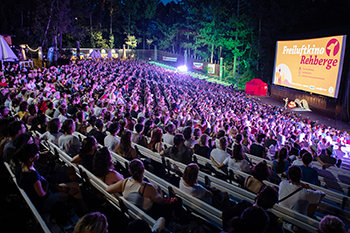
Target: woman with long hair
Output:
[(103, 167), (140, 193), (155, 144), (280, 164), (202, 148), (259, 173), (236, 161), (125, 148), (88, 150)]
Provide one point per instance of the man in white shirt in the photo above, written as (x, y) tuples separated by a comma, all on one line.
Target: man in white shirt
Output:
[(219, 154), (111, 141), (68, 142), (302, 201)]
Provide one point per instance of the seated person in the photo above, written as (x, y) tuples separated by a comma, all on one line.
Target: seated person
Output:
[(189, 184), (303, 196), (219, 154), (259, 173), (103, 167), (138, 137), (36, 186), (111, 141), (124, 148), (328, 159), (140, 193), (310, 174), (53, 131), (97, 132), (265, 199), (179, 152), (257, 147), (92, 222), (68, 142), (202, 148), (253, 220), (87, 153), (235, 161), (280, 164)]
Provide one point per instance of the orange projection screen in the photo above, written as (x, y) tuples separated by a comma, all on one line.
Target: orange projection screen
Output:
[(313, 65)]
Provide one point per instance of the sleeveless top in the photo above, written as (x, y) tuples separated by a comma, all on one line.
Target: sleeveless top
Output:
[(131, 193)]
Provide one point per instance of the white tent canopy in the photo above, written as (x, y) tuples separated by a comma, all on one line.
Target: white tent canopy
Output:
[(95, 54), (6, 53)]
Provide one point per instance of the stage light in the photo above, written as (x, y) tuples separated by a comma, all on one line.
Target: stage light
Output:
[(182, 68)]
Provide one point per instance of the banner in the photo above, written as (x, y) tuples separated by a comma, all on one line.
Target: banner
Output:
[(197, 65), (313, 65), (50, 54), (211, 68), (172, 59)]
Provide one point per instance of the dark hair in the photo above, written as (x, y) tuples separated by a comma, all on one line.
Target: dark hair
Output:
[(261, 171), (102, 162), (99, 124), (114, 127), (138, 127), (237, 153), (267, 197), (92, 120), (79, 115), (307, 158), (14, 127), (31, 109), (187, 132), (294, 173), (239, 138), (136, 169), (27, 152), (141, 120), (23, 106), (22, 139), (178, 139), (223, 141), (125, 142), (260, 137), (53, 125), (190, 175), (87, 144), (67, 125), (331, 224), (282, 156), (170, 128), (147, 127), (220, 134), (253, 220)]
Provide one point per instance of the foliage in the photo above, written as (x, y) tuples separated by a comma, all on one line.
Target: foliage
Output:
[(131, 41), (111, 41), (98, 40)]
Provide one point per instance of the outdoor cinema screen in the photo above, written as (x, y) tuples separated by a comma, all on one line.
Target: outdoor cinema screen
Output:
[(312, 65)]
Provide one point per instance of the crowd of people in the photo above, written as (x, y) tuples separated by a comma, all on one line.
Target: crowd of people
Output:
[(118, 103)]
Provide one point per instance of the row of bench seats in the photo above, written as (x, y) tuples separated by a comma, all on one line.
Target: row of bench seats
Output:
[(35, 212)]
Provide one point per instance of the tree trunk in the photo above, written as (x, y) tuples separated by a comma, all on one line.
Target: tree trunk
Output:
[(48, 23), (111, 22), (212, 53)]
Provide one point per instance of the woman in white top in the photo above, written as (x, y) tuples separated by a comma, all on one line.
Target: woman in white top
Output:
[(236, 160), (142, 194)]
